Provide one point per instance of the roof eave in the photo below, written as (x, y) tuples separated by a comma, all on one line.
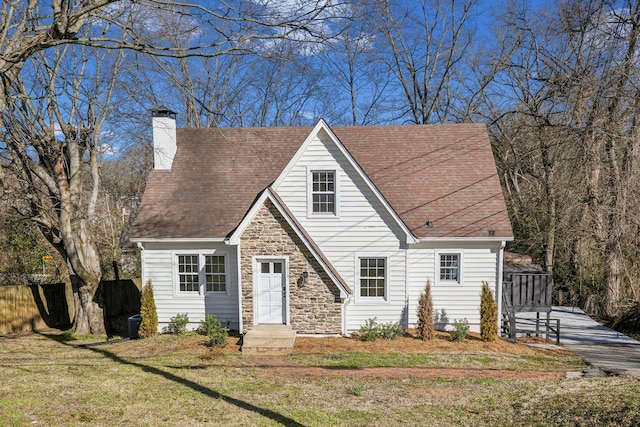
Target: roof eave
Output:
[(179, 240), (464, 239)]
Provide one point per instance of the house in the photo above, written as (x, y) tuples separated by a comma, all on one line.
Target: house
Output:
[(321, 228)]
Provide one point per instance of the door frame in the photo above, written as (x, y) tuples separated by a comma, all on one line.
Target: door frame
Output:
[(256, 261)]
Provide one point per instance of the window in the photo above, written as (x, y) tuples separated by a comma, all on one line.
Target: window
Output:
[(372, 277), (188, 273), (202, 270), (323, 192), (450, 267), (215, 276)]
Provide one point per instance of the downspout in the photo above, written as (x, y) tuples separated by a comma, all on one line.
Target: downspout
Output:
[(499, 282), (406, 286), (142, 265), (239, 267), (344, 314), (239, 282)]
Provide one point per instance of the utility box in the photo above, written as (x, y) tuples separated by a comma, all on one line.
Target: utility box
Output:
[(134, 326)]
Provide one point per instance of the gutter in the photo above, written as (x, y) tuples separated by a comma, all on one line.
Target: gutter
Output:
[(180, 240), (464, 239)]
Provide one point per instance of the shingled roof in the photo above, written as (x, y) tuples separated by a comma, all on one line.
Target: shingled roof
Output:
[(440, 173)]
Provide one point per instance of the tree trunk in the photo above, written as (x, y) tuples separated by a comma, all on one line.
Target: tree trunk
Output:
[(617, 207), (550, 238), (612, 278), (85, 274), (89, 315)]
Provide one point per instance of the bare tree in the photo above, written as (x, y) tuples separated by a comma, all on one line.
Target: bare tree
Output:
[(51, 121), (51, 129), (360, 81), (425, 46), (572, 133)]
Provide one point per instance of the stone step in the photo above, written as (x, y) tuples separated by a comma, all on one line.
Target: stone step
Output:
[(267, 351), (269, 339)]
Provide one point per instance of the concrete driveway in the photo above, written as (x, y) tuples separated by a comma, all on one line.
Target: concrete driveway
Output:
[(599, 346)]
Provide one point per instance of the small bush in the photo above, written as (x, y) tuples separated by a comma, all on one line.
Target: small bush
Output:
[(488, 315), (390, 331), (371, 330), (149, 324), (212, 328), (460, 330), (425, 325), (178, 323)]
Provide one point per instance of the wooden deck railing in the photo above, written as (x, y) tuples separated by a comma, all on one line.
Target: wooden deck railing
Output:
[(527, 293)]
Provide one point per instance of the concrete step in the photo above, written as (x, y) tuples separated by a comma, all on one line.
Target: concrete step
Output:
[(269, 339)]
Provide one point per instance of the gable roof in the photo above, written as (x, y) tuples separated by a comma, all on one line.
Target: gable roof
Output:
[(323, 127), (445, 174)]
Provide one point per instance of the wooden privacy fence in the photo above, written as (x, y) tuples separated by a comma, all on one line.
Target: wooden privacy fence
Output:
[(36, 307)]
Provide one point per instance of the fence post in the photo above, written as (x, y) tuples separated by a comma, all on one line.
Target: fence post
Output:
[(512, 327)]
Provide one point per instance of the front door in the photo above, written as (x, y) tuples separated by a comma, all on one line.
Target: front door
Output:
[(271, 292)]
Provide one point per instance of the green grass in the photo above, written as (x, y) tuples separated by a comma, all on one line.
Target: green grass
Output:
[(170, 381)]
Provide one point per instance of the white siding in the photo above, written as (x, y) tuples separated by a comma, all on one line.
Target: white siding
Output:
[(453, 301), (160, 265), (363, 227)]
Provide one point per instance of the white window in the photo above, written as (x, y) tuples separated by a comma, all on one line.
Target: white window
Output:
[(323, 192), (198, 273), (188, 273), (449, 267), (215, 273), (373, 277)]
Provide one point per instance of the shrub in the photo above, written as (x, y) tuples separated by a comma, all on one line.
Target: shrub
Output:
[(460, 330), (390, 331), (425, 315), (149, 324), (488, 315), (371, 330), (212, 328), (178, 323)]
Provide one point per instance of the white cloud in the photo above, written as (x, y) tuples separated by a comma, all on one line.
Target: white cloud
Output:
[(153, 23), (320, 21)]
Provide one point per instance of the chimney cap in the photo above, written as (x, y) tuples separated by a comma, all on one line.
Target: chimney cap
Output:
[(162, 111)]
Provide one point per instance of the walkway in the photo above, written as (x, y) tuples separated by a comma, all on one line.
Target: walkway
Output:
[(599, 346)]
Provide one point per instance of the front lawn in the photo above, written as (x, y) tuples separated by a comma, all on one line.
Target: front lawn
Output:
[(48, 380)]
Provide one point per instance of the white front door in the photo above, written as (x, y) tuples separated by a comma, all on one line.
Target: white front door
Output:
[(271, 292)]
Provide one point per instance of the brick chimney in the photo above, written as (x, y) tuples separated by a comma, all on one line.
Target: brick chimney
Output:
[(164, 137)]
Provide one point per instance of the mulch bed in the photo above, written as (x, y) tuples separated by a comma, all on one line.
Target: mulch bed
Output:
[(282, 367)]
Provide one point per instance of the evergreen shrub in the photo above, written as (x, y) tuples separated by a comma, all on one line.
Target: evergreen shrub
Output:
[(488, 315), (149, 324), (212, 328), (425, 315), (460, 330), (178, 323)]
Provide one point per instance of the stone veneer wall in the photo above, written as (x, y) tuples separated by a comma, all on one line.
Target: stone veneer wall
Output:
[(314, 308)]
